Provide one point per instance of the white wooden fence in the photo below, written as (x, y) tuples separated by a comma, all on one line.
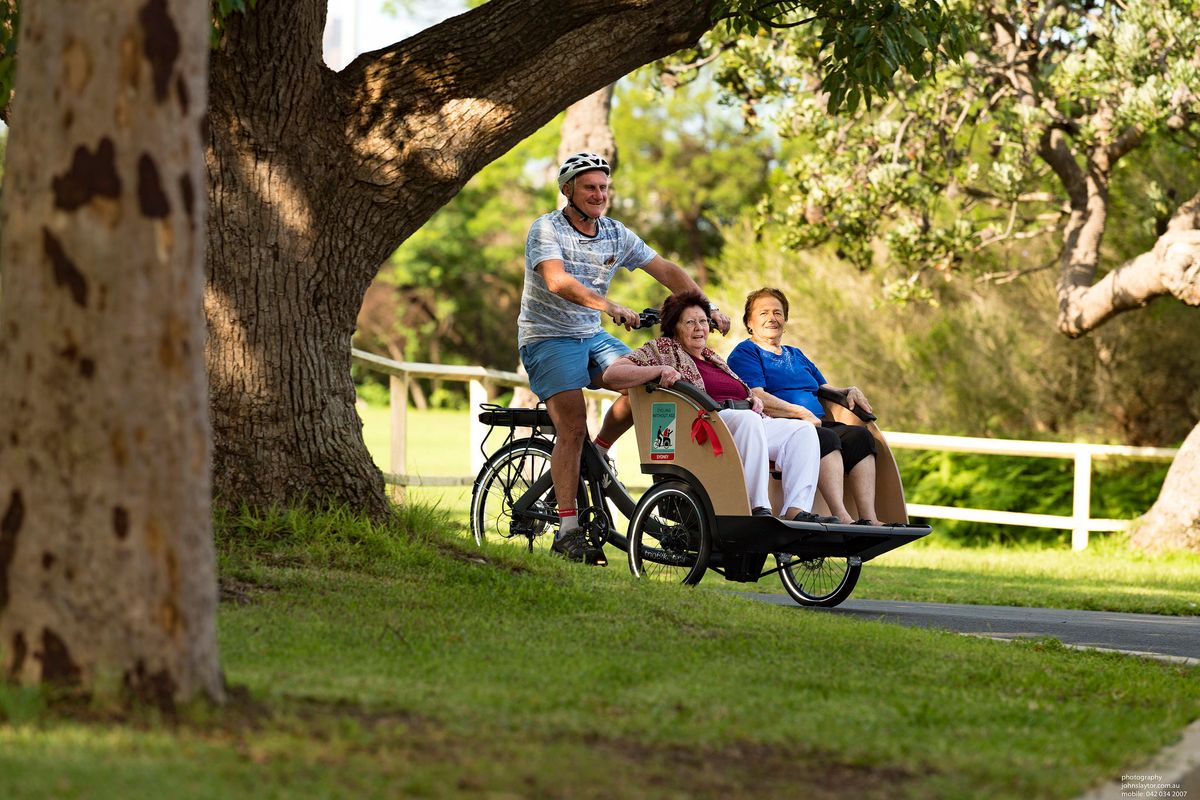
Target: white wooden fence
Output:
[(1080, 523)]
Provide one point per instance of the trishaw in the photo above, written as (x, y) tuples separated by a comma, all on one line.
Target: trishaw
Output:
[(696, 516)]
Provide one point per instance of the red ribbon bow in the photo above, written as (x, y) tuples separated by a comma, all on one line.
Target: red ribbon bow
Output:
[(703, 432)]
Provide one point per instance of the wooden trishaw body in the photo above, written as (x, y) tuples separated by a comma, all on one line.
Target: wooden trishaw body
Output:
[(740, 542)]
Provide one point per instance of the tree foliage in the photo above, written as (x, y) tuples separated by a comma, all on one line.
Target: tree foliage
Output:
[(692, 169), (945, 171), (862, 44)]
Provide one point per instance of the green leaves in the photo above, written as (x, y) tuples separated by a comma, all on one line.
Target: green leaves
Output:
[(864, 44), (10, 19), (948, 176)]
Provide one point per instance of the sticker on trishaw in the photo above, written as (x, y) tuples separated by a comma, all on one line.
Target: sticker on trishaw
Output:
[(663, 429)]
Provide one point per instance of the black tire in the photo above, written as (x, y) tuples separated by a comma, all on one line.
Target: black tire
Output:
[(509, 472), (670, 534), (823, 582)]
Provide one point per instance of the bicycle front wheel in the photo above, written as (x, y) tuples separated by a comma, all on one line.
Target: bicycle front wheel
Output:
[(670, 537)]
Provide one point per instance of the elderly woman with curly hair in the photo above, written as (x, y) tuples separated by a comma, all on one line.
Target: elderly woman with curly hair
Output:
[(682, 353)]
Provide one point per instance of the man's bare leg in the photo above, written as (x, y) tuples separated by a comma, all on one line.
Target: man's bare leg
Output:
[(617, 420), (568, 411)]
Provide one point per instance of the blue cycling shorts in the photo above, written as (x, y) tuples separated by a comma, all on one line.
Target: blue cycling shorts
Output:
[(560, 365)]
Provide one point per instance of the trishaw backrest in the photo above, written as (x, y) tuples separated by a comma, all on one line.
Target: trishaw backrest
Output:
[(663, 420), (674, 410), (889, 491)]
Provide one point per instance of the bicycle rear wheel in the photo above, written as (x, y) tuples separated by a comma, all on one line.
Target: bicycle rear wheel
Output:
[(505, 478), (823, 582)]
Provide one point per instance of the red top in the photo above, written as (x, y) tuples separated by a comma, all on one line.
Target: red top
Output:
[(719, 385)]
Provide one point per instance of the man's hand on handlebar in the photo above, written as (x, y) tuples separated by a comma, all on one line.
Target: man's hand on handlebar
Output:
[(721, 320), (623, 316)]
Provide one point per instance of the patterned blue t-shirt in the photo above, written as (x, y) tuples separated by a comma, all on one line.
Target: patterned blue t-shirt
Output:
[(789, 376), (590, 260)]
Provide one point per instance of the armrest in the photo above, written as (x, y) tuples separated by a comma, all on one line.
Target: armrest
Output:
[(839, 397), (693, 393)]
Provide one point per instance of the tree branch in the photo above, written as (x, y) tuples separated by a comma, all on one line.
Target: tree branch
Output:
[(427, 113), (1171, 268)]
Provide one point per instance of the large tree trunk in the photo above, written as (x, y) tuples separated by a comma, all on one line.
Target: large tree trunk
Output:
[(1173, 523), (107, 571), (317, 177)]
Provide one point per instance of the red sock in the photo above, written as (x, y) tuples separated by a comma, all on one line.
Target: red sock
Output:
[(601, 443)]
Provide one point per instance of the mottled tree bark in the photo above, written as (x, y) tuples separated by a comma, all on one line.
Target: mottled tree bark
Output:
[(1173, 523), (317, 177), (107, 570)]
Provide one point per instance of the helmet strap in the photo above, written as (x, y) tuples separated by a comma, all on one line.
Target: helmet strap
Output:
[(580, 211)]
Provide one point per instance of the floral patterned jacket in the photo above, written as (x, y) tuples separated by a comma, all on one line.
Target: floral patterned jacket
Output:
[(666, 352)]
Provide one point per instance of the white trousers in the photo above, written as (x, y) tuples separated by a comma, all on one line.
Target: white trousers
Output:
[(790, 443)]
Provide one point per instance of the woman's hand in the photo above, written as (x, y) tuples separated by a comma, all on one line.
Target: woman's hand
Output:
[(721, 320), (667, 376), (756, 405), (856, 398), (806, 415)]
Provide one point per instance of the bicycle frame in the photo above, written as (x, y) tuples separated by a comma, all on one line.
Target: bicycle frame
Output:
[(592, 470)]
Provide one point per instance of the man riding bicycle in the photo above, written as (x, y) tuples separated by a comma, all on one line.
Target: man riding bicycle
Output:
[(570, 259)]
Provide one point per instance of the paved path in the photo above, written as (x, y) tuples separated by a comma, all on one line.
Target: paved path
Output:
[(1172, 638)]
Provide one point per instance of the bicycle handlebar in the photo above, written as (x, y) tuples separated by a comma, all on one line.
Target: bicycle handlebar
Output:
[(649, 318)]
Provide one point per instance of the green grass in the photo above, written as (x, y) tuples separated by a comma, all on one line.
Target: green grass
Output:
[(389, 662), (1104, 577)]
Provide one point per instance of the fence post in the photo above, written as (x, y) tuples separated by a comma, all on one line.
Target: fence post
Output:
[(476, 395), (1082, 498), (398, 402)]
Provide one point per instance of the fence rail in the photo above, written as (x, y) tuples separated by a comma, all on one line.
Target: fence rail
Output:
[(1080, 522)]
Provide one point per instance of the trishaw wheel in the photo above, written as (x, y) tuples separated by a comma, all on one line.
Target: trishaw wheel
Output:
[(505, 477), (670, 537), (824, 581)]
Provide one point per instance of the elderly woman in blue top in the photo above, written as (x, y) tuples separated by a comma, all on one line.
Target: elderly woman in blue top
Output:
[(787, 382)]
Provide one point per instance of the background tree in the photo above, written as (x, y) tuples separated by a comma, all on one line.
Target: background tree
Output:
[(1028, 139), (695, 169), (107, 571), (316, 178)]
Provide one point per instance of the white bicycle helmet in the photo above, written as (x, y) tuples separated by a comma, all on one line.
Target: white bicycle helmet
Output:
[(579, 163)]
